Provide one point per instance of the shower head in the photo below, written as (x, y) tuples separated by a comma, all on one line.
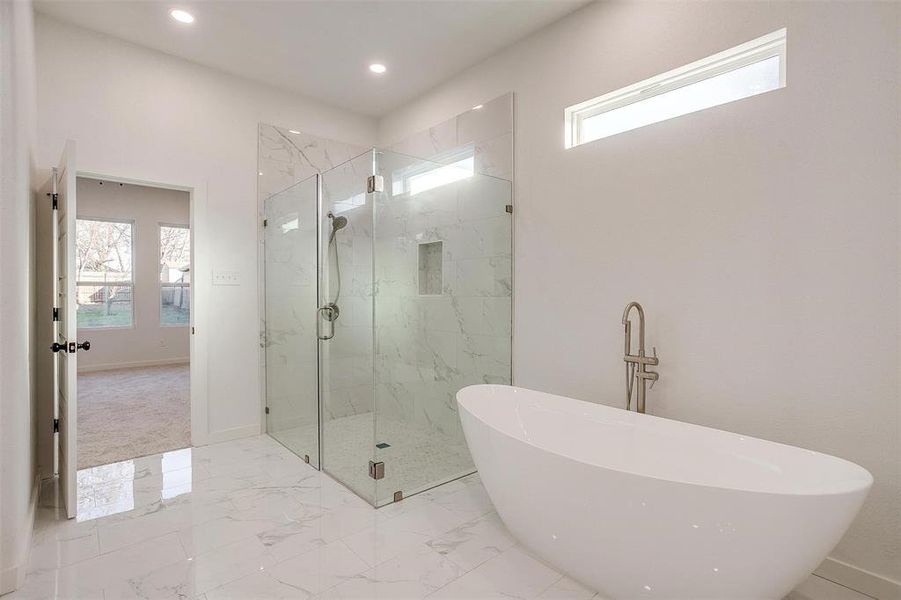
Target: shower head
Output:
[(337, 222)]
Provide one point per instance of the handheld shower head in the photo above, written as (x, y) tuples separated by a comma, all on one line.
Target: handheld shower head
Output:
[(337, 222)]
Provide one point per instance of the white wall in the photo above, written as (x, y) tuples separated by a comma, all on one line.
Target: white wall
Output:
[(17, 402), (145, 115), (147, 342), (761, 236)]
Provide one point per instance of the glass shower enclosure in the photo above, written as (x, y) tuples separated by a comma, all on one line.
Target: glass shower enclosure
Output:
[(388, 288)]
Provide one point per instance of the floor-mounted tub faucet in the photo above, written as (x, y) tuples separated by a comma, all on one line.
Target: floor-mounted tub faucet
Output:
[(637, 365)]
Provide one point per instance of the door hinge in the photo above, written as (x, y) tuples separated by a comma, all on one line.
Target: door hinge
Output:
[(375, 183), (377, 470), (54, 198), (510, 208), (55, 314), (192, 331), (265, 222), (267, 410), (55, 425)]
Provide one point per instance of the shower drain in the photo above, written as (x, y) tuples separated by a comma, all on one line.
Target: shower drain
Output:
[(382, 445)]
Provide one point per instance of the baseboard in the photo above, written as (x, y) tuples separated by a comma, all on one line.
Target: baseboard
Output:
[(235, 433), (133, 364), (13, 577), (859, 579)]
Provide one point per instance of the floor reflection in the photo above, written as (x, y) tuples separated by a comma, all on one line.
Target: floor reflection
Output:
[(121, 487)]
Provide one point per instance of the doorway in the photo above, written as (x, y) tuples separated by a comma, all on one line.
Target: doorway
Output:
[(133, 303)]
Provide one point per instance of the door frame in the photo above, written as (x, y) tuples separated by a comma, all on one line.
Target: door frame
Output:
[(200, 293)]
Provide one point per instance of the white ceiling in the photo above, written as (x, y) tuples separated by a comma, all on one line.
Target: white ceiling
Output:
[(323, 48)]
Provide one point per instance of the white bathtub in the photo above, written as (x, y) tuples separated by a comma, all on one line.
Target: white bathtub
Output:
[(638, 506)]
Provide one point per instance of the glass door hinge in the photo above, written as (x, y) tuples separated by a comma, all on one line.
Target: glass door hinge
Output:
[(375, 183), (376, 470), (55, 425)]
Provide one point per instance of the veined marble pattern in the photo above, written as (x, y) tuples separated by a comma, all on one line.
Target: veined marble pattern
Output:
[(287, 158), (488, 130), (428, 346), (287, 198), (248, 519), (291, 300), (347, 359), (408, 363)]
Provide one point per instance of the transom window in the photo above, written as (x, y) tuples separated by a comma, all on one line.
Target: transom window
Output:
[(752, 68), (104, 273), (175, 275)]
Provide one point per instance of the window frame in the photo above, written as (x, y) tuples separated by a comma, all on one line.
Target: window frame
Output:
[(130, 284), (160, 284), (756, 50)]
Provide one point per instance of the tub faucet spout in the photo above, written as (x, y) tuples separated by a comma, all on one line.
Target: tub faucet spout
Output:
[(637, 364)]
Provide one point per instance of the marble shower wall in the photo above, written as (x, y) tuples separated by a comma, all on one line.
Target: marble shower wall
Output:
[(347, 381), (488, 130), (429, 345), (287, 163), (287, 158), (290, 303)]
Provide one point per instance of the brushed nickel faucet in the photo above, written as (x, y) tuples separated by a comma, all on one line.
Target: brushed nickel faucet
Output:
[(637, 364)]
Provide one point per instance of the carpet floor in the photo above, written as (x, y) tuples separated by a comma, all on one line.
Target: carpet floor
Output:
[(127, 413)]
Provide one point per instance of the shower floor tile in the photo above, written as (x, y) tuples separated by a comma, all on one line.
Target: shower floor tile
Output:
[(416, 458)]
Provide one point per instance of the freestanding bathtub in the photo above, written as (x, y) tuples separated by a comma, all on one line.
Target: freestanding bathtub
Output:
[(638, 506)]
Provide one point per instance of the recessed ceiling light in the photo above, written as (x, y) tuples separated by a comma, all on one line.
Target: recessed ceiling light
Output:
[(294, 131), (477, 106), (260, 173), (182, 16), (378, 68)]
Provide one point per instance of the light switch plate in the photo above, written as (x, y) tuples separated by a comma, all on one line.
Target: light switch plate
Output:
[(224, 277)]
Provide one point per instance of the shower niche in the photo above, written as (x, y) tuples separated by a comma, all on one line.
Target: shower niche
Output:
[(388, 287), (431, 277)]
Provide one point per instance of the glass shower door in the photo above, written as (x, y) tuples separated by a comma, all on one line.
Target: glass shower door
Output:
[(346, 325), (443, 312), (290, 236)]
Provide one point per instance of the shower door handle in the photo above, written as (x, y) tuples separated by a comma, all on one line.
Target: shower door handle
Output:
[(325, 313)]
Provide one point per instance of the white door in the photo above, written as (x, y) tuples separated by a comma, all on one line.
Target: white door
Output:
[(65, 325)]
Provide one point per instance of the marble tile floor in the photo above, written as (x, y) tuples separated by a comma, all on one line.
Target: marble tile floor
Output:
[(416, 458), (248, 519)]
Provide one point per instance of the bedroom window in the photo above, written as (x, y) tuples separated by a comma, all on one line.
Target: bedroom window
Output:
[(104, 273), (175, 275), (746, 70)]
